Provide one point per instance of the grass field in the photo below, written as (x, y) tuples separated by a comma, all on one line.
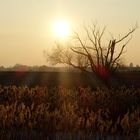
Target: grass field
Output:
[(62, 113), (68, 106), (66, 79)]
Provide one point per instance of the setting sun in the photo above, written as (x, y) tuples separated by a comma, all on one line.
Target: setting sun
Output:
[(61, 28)]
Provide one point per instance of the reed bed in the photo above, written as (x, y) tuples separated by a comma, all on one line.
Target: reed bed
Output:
[(61, 113)]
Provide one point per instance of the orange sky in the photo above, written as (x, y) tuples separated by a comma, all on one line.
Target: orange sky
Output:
[(25, 25)]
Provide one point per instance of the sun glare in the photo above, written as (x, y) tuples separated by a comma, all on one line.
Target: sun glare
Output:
[(61, 28)]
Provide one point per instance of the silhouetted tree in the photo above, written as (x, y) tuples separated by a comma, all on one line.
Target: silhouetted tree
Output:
[(91, 55), (131, 65)]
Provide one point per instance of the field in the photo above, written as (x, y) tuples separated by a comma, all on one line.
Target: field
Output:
[(39, 108), (66, 79)]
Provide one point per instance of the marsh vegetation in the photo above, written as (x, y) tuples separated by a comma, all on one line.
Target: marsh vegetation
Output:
[(48, 113)]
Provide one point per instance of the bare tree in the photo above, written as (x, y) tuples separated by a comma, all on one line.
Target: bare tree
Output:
[(91, 55)]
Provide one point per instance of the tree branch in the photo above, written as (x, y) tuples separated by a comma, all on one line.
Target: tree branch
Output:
[(129, 33), (78, 52)]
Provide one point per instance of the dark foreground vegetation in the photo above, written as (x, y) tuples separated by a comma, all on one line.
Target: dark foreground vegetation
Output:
[(66, 79), (59, 113)]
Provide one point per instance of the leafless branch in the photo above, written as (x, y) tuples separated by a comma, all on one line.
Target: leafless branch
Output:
[(129, 33)]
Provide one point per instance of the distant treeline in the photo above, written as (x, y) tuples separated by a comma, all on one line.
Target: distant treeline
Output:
[(41, 68), (44, 68)]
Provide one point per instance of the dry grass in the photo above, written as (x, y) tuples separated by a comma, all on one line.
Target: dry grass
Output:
[(38, 112)]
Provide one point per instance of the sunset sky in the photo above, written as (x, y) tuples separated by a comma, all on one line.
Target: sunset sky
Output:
[(26, 25)]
